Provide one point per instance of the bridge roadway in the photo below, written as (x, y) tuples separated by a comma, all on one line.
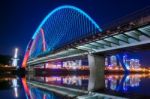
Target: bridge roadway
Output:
[(132, 34)]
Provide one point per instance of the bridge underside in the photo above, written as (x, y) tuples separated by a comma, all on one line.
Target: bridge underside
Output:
[(115, 41)]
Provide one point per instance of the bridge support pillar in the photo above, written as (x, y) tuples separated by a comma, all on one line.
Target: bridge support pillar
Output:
[(96, 65)]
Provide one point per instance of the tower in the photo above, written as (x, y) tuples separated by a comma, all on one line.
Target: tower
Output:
[(15, 58)]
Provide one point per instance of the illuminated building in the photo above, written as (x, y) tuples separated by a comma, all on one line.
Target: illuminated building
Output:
[(15, 59), (134, 63), (70, 65), (131, 63), (113, 60), (137, 63), (125, 59), (106, 61)]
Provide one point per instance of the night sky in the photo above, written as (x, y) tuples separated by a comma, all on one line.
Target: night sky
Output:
[(20, 18)]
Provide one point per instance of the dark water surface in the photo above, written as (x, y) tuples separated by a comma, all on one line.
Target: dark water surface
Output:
[(14, 87)]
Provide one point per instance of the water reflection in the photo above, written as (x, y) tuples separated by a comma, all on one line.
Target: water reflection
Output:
[(18, 88), (69, 81), (33, 92), (36, 93), (133, 83), (26, 88), (10, 86), (15, 87)]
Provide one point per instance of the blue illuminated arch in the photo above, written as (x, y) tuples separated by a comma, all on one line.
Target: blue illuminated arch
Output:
[(61, 26), (64, 7)]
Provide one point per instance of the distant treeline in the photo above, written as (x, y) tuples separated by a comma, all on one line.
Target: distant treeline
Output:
[(5, 59)]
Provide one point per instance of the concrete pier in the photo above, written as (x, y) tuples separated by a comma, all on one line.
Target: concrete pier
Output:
[(96, 65)]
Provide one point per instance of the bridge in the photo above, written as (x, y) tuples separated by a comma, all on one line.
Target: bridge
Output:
[(68, 32)]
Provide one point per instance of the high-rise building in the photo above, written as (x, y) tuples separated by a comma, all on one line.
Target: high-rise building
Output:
[(134, 63), (106, 61), (113, 60), (137, 63), (125, 59)]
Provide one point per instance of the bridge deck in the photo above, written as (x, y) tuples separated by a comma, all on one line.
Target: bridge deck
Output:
[(132, 37)]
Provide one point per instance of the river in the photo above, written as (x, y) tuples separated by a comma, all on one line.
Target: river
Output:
[(133, 85)]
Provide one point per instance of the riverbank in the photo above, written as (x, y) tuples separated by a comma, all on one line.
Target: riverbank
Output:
[(12, 71)]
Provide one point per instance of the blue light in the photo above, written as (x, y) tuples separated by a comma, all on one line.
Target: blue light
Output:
[(62, 26), (64, 7)]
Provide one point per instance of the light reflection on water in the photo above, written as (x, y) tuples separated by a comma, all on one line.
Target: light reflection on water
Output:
[(68, 81), (11, 88), (133, 83), (36, 93), (16, 87)]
